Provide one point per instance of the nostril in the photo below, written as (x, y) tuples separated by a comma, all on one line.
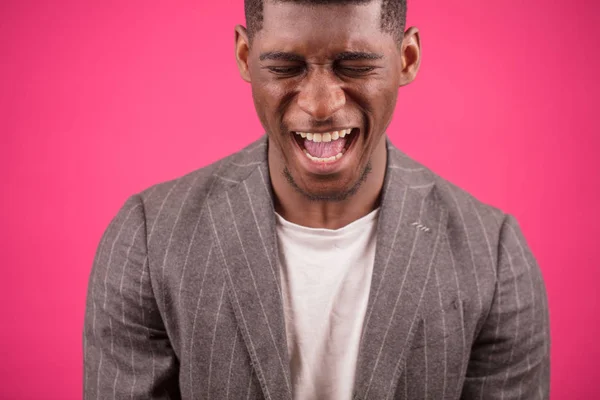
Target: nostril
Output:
[(321, 105)]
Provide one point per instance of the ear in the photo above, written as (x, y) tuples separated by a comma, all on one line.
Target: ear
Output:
[(411, 56), (242, 50)]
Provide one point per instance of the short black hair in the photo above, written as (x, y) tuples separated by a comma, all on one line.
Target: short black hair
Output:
[(393, 14)]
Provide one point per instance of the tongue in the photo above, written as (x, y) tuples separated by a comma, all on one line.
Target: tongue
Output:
[(324, 149)]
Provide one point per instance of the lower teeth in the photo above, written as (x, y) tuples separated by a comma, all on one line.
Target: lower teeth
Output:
[(324, 160)]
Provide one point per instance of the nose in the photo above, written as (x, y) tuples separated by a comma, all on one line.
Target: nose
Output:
[(321, 95)]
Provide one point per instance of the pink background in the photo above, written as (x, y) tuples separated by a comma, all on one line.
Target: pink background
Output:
[(99, 100)]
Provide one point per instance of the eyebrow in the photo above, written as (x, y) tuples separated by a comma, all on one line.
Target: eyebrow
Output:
[(357, 55), (280, 56), (344, 56)]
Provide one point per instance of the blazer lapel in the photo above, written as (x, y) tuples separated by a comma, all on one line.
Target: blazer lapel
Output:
[(408, 237), (244, 233)]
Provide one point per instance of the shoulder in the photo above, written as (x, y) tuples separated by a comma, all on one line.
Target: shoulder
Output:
[(471, 222), (187, 194), (457, 200), (482, 247)]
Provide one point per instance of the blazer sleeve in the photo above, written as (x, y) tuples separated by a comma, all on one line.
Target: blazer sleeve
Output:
[(127, 353), (510, 357)]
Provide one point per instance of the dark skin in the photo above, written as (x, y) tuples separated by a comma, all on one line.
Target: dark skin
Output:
[(320, 68)]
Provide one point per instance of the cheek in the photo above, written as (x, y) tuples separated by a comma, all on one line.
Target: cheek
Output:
[(383, 100), (390, 98), (264, 107), (269, 100)]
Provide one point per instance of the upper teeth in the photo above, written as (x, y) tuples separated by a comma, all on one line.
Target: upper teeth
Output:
[(325, 137)]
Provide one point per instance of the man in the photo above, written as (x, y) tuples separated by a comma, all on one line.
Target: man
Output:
[(319, 262)]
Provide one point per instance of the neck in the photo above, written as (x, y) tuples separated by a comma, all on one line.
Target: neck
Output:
[(297, 208)]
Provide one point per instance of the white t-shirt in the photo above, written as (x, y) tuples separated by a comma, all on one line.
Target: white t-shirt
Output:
[(326, 278)]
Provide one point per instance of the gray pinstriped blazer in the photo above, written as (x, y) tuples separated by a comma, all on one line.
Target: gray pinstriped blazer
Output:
[(184, 299)]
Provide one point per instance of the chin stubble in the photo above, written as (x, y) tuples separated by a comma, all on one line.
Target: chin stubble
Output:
[(339, 196)]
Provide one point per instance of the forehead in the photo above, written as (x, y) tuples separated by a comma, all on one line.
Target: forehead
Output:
[(288, 25)]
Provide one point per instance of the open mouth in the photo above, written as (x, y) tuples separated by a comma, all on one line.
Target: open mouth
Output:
[(326, 147)]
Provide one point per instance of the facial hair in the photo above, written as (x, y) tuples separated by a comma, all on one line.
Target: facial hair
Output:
[(332, 197)]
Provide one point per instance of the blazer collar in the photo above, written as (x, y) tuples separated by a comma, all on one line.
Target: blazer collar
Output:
[(243, 223), (410, 222)]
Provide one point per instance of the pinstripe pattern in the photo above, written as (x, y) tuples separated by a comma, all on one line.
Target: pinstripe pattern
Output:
[(391, 318), (469, 246), (444, 329), (235, 341), (271, 264), (387, 262), (517, 332), (463, 333), (184, 300), (423, 290), (191, 365), (193, 237), (277, 349), (123, 320), (112, 249), (212, 346), (177, 217)]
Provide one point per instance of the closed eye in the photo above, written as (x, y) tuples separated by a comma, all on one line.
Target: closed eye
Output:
[(358, 69), (286, 71), (355, 71)]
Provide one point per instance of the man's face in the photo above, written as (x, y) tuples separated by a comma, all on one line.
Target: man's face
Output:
[(324, 80)]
